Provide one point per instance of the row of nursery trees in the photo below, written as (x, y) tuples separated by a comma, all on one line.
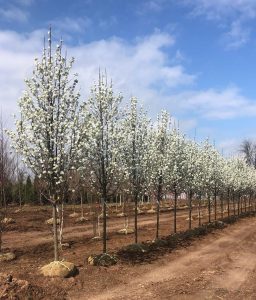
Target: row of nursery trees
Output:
[(114, 148)]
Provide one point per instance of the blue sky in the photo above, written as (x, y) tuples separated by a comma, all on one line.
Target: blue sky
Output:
[(195, 58)]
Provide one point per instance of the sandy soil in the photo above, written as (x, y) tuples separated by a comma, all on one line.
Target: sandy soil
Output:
[(219, 266)]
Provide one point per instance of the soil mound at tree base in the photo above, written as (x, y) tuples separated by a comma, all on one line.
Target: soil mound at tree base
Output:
[(74, 215), (50, 221), (61, 269), (7, 221), (125, 231), (9, 256), (81, 220), (104, 260)]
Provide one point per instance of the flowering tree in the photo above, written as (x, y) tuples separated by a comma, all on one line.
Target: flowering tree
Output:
[(136, 154), (46, 135), (102, 140), (176, 167), (159, 160)]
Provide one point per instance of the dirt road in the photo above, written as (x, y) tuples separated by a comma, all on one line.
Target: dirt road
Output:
[(221, 265)]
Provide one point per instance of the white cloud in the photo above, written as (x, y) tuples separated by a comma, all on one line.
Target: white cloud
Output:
[(233, 15), (229, 147), (69, 25), (217, 9), (17, 53), (216, 104), (24, 2), (237, 36), (13, 14), (141, 68)]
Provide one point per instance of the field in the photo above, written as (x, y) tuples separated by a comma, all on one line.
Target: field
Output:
[(220, 265)]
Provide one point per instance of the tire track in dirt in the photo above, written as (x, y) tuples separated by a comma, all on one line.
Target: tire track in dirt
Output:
[(214, 268)]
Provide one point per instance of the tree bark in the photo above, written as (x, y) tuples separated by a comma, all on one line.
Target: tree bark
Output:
[(55, 235), (190, 209), (175, 210), (209, 209), (136, 217)]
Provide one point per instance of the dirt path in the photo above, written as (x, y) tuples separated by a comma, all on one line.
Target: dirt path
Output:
[(220, 266)]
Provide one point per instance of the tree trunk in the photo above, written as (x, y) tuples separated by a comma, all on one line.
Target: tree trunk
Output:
[(82, 206), (175, 210), (159, 198), (157, 218), (136, 217), (238, 205), (234, 205), (228, 198), (221, 205), (1, 232), (215, 204), (190, 209), (199, 210), (104, 223), (55, 235), (209, 209)]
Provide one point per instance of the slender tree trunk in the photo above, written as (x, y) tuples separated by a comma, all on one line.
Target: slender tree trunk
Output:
[(199, 209), (159, 198), (190, 209), (157, 218), (136, 217), (55, 234), (228, 199), (221, 205), (209, 209), (238, 205), (104, 203), (175, 210), (234, 205), (94, 221), (61, 225), (215, 204), (82, 206), (1, 232)]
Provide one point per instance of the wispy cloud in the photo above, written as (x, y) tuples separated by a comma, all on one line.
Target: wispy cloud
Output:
[(25, 2), (69, 25), (234, 16), (141, 68), (154, 6), (223, 104), (13, 14), (237, 36)]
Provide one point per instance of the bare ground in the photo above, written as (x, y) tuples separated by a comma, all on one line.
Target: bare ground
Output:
[(220, 265)]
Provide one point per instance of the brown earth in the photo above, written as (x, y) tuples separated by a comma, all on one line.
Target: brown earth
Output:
[(220, 265)]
